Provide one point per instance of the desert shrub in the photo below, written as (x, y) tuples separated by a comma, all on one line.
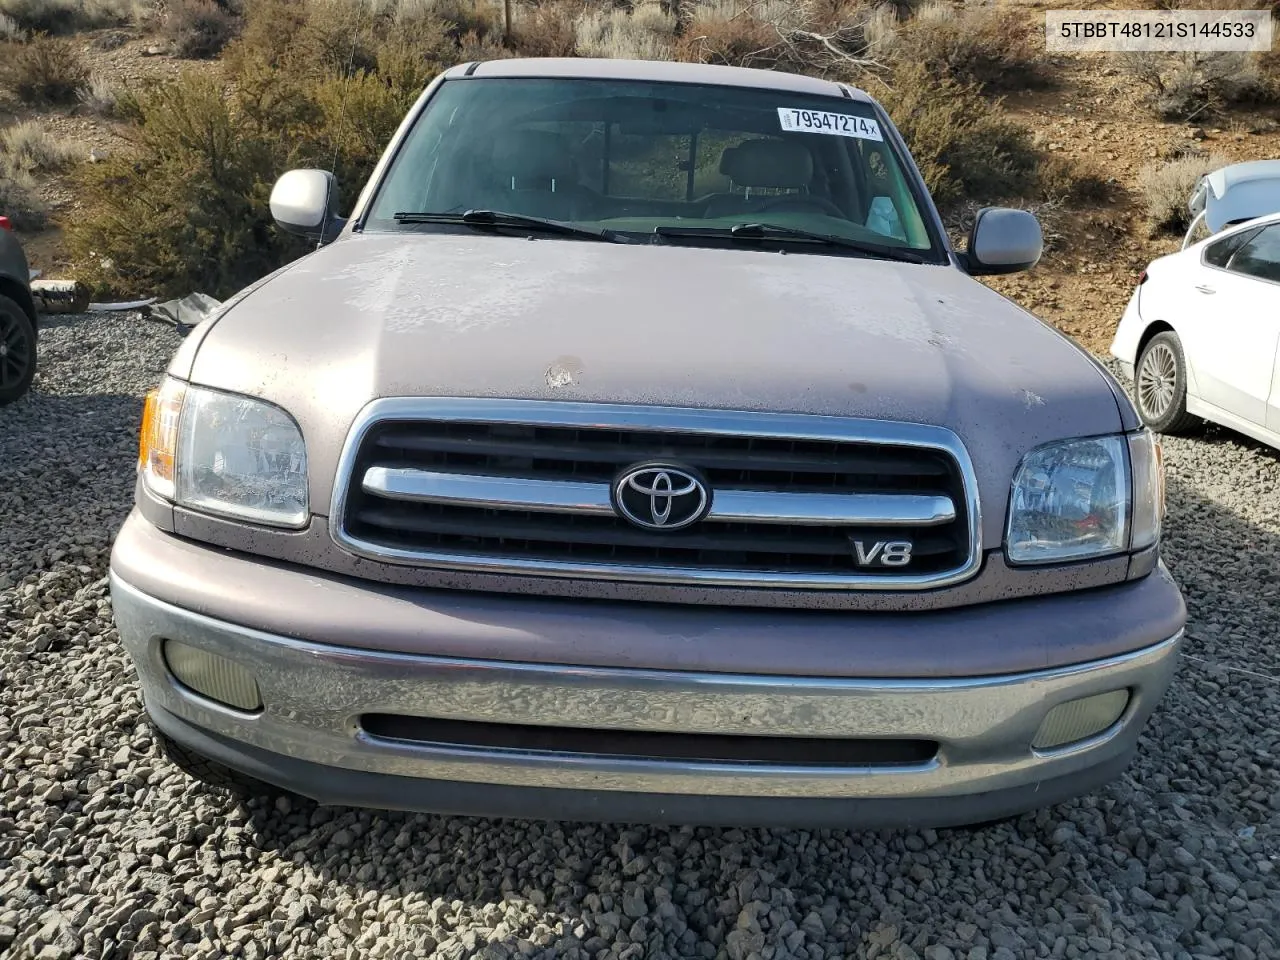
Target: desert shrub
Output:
[(1166, 188), (187, 208), (963, 143), (995, 46), (100, 97), (18, 197), (269, 38), (546, 30), (31, 147), (645, 34), (45, 70), (337, 38), (466, 21), (67, 16), (199, 29), (1060, 180), (358, 116), (739, 40), (1182, 86)]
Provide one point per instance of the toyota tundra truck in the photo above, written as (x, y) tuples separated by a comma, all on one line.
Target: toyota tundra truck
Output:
[(777, 517)]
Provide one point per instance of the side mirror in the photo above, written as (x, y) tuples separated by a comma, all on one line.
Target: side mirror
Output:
[(1003, 240), (305, 202)]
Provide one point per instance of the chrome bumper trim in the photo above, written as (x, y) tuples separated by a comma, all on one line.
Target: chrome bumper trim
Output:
[(727, 506), (314, 695), (735, 423)]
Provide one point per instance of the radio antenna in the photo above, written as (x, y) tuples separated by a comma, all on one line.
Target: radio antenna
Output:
[(342, 105)]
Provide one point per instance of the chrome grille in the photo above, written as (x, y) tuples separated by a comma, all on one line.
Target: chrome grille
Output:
[(524, 486)]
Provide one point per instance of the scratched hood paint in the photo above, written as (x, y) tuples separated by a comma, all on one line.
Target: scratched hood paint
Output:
[(420, 314)]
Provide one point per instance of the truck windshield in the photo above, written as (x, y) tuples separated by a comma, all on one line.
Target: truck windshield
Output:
[(643, 158)]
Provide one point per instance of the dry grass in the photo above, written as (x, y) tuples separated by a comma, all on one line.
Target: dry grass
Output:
[(481, 18), (31, 147), (199, 29), (645, 34), (1166, 188), (1213, 4), (547, 30), (68, 16), (736, 40), (45, 70), (1184, 86), (10, 31), (100, 97)]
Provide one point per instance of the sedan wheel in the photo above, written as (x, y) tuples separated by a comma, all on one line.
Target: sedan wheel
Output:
[(17, 351), (1160, 385)]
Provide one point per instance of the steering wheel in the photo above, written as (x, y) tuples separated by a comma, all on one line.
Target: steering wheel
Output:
[(803, 200)]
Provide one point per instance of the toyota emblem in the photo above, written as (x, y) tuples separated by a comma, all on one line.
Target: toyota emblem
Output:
[(661, 496)]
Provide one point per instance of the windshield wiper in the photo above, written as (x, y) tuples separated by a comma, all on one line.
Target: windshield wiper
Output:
[(765, 231), (497, 218)]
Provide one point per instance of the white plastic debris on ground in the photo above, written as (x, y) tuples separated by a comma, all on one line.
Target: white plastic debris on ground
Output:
[(121, 307), (189, 310), (71, 296)]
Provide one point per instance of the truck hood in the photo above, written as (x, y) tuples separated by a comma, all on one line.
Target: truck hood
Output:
[(422, 314)]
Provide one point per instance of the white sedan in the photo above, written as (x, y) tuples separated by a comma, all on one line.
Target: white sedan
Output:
[(1201, 333)]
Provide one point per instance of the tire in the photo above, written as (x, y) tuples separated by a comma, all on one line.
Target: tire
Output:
[(17, 351), (1160, 385), (214, 774)]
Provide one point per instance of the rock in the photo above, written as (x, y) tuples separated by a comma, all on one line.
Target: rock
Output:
[(814, 926), (633, 903)]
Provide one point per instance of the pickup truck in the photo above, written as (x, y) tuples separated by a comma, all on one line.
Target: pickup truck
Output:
[(776, 516)]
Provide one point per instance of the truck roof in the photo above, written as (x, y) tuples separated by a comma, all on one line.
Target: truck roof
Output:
[(656, 70)]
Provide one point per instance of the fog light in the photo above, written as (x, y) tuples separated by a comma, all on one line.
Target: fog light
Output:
[(1080, 719), (212, 676)]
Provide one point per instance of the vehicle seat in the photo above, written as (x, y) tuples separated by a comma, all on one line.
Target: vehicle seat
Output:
[(535, 173), (760, 165)]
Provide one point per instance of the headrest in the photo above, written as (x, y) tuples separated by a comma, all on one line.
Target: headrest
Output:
[(768, 163), (537, 155)]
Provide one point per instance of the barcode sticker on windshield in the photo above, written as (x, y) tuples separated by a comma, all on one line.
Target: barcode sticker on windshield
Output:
[(834, 124)]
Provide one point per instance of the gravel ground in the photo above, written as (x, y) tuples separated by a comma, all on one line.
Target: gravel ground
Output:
[(107, 851)]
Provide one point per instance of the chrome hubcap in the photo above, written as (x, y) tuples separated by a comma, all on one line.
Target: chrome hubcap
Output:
[(1157, 381)]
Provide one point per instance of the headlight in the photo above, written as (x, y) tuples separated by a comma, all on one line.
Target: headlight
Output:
[(224, 454), (1070, 501)]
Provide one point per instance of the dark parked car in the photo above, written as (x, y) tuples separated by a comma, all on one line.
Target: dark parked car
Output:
[(17, 318)]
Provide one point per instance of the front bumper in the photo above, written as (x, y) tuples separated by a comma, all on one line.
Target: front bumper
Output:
[(310, 737)]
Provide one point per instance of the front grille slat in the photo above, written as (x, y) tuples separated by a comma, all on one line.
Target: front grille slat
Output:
[(819, 503), (429, 451), (551, 529), (578, 497)]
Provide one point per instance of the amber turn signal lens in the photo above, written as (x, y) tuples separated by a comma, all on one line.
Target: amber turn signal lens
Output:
[(158, 443)]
